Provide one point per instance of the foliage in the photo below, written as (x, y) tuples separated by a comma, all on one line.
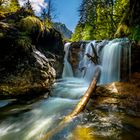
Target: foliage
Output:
[(78, 33), (122, 31), (48, 13), (28, 7), (9, 6), (101, 19), (135, 33), (48, 24)]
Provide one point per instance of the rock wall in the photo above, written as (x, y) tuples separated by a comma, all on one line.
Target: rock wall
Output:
[(30, 60), (135, 57)]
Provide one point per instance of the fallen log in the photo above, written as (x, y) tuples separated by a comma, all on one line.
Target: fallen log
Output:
[(84, 100), (79, 107)]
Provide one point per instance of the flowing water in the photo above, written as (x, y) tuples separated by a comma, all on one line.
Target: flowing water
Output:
[(67, 71), (30, 120), (113, 57)]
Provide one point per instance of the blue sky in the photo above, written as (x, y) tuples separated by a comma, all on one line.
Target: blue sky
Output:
[(67, 12)]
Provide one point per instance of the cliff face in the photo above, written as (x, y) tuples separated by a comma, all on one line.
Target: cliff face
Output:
[(65, 32), (31, 57), (135, 63)]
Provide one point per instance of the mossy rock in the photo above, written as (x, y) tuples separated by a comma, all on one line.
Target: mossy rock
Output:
[(31, 23)]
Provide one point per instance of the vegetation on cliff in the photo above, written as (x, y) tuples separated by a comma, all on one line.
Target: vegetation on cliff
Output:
[(108, 19)]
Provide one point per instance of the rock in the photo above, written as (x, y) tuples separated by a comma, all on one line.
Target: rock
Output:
[(118, 97), (65, 32), (30, 75), (51, 45), (135, 63), (24, 70), (75, 49)]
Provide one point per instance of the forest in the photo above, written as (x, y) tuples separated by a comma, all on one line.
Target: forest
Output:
[(101, 19)]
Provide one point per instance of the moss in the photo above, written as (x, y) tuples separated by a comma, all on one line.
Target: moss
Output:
[(1, 35), (19, 91), (24, 41), (30, 23)]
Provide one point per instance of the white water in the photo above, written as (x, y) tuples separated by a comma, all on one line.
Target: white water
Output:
[(67, 71), (112, 56), (31, 121)]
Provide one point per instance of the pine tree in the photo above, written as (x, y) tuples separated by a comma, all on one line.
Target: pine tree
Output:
[(28, 7)]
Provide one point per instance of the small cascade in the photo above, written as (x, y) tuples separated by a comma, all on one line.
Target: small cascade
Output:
[(86, 66), (113, 57), (67, 71)]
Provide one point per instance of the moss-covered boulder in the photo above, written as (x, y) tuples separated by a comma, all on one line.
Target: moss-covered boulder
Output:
[(31, 56), (23, 68)]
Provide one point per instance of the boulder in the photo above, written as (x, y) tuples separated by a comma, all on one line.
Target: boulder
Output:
[(23, 68)]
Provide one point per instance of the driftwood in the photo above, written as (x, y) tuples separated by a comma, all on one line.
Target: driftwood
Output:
[(93, 59), (79, 107), (84, 100)]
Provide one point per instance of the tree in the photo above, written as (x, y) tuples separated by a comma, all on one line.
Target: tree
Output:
[(28, 7), (49, 11), (3, 2), (9, 5), (100, 18)]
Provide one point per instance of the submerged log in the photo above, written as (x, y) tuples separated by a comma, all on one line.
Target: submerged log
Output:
[(79, 107)]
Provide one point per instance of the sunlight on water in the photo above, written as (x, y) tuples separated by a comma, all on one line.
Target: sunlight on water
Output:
[(44, 114)]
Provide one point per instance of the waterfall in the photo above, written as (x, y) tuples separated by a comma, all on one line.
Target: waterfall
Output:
[(67, 71), (113, 57)]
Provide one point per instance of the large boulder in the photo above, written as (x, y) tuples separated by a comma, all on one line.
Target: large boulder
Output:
[(23, 68), (51, 44)]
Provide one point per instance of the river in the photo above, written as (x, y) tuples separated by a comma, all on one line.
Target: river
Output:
[(30, 120)]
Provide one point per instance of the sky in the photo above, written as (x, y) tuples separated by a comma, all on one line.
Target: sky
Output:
[(66, 10)]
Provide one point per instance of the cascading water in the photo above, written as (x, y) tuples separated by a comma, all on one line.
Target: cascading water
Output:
[(113, 57), (32, 120), (67, 71)]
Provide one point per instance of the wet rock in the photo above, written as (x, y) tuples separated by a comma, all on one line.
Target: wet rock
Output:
[(118, 97), (23, 68), (74, 55), (51, 45), (35, 76)]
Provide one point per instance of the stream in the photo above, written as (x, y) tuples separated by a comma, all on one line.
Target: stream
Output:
[(30, 120)]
